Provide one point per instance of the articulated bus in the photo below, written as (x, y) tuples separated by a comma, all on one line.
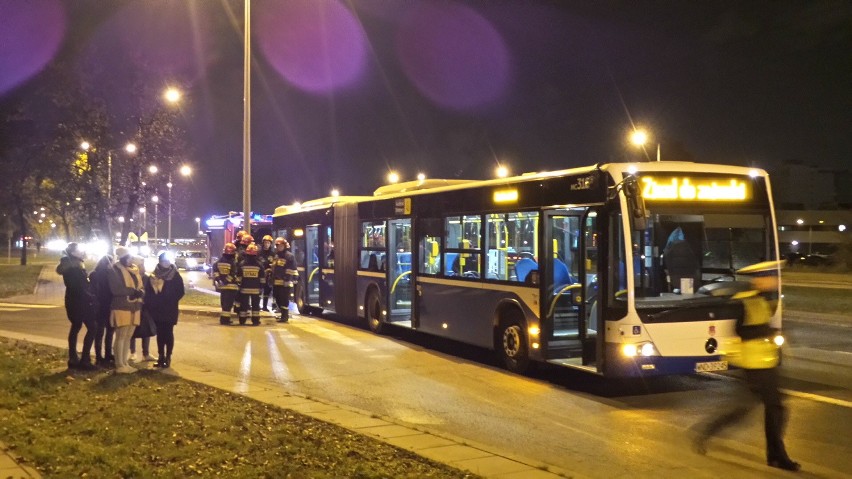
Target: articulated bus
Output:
[(620, 269)]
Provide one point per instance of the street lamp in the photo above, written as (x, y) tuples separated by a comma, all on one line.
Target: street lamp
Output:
[(130, 149), (501, 171), (185, 171), (639, 137), (156, 200), (198, 225)]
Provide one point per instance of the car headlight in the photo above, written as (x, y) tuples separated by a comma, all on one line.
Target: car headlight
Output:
[(191, 262)]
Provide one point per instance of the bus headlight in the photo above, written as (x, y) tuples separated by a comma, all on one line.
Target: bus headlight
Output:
[(639, 349), (778, 340)]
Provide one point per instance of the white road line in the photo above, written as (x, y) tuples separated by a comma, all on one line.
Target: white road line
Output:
[(279, 367), (32, 306), (817, 397), (244, 375)]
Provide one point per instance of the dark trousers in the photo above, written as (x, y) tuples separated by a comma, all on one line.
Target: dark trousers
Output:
[(265, 291), (763, 386), (226, 301), (282, 299), (77, 323), (250, 302), (103, 336), (165, 340)]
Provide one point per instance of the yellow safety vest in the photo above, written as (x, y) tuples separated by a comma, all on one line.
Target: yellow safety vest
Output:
[(757, 353)]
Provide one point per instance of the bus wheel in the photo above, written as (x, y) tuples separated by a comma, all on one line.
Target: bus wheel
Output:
[(373, 312), (299, 298), (512, 346)]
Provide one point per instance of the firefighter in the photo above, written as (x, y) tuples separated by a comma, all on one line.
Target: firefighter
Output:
[(225, 282), (240, 256), (266, 256), (758, 355), (283, 274), (250, 276)]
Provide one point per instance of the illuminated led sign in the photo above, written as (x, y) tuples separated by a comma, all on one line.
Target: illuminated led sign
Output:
[(695, 189), (506, 196)]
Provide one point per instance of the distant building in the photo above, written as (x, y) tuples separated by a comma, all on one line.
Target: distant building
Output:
[(799, 186), (813, 231)]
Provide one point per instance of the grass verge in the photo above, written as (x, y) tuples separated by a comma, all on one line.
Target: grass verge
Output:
[(197, 298), (16, 279), (817, 300), (150, 424)]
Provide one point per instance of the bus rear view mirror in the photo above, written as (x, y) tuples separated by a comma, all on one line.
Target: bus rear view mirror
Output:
[(635, 203)]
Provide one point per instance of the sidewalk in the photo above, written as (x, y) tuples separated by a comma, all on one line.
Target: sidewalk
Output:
[(453, 451)]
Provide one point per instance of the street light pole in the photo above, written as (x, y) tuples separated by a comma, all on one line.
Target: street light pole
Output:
[(169, 185), (247, 119)]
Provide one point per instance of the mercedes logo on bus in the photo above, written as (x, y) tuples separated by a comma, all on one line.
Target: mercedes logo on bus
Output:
[(711, 345)]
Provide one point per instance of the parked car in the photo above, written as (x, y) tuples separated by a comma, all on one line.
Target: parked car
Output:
[(191, 260)]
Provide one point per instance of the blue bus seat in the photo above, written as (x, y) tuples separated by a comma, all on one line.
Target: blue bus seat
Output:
[(561, 275), (523, 268), (403, 263), (451, 264)]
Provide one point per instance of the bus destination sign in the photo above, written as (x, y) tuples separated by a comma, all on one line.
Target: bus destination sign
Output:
[(685, 188)]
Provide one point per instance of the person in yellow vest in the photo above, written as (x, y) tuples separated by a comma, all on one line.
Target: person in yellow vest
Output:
[(758, 355)]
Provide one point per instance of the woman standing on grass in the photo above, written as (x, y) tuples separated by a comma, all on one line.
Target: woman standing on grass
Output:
[(146, 328), (78, 305), (162, 295), (125, 284), (99, 279)]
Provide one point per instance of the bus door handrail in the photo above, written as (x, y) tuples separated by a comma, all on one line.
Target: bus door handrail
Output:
[(393, 288), (556, 296)]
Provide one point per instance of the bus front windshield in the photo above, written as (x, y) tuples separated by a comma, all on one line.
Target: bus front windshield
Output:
[(680, 252)]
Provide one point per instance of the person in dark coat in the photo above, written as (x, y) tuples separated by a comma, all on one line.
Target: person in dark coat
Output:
[(99, 280), (79, 305), (162, 294), (146, 328)]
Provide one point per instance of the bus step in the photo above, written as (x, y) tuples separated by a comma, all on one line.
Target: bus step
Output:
[(563, 352)]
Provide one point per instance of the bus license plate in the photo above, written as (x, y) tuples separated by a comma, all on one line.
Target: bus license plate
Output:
[(711, 366)]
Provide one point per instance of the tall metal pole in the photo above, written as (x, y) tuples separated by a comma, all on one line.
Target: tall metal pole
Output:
[(109, 203), (169, 185), (247, 119)]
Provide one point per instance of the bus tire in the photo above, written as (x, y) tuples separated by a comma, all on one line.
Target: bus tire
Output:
[(373, 312), (512, 344), (299, 298)]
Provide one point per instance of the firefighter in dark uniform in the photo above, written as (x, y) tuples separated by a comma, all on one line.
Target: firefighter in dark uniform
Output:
[(225, 282), (251, 276), (267, 256), (245, 239), (758, 355), (283, 274)]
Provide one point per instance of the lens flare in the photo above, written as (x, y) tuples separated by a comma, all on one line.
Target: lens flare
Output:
[(316, 46), (31, 35)]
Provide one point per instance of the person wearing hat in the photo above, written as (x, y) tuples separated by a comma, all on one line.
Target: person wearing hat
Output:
[(127, 288), (79, 305), (758, 355), (250, 275), (163, 292), (225, 283)]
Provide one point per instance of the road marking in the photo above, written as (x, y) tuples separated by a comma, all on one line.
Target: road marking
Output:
[(817, 397), (244, 375), (12, 310), (279, 367), (24, 305)]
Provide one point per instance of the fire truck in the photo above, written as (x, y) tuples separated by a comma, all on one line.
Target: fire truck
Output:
[(221, 229)]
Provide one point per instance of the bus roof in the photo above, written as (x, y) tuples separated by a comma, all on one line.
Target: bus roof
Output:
[(418, 187)]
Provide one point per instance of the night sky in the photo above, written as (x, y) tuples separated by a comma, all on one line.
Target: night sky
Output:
[(343, 91)]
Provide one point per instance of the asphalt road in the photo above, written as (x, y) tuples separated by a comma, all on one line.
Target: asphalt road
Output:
[(592, 427)]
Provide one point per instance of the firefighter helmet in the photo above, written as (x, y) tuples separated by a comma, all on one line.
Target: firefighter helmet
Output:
[(280, 240), (251, 249), (247, 240), (229, 248), (240, 235), (267, 238)]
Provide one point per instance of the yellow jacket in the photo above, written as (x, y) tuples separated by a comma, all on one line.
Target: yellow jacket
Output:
[(756, 349)]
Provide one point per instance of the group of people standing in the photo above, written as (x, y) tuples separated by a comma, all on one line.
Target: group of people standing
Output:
[(114, 302), (245, 275)]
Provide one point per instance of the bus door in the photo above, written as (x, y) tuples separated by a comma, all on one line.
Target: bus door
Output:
[(312, 266), (566, 286), (325, 255), (399, 270)]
